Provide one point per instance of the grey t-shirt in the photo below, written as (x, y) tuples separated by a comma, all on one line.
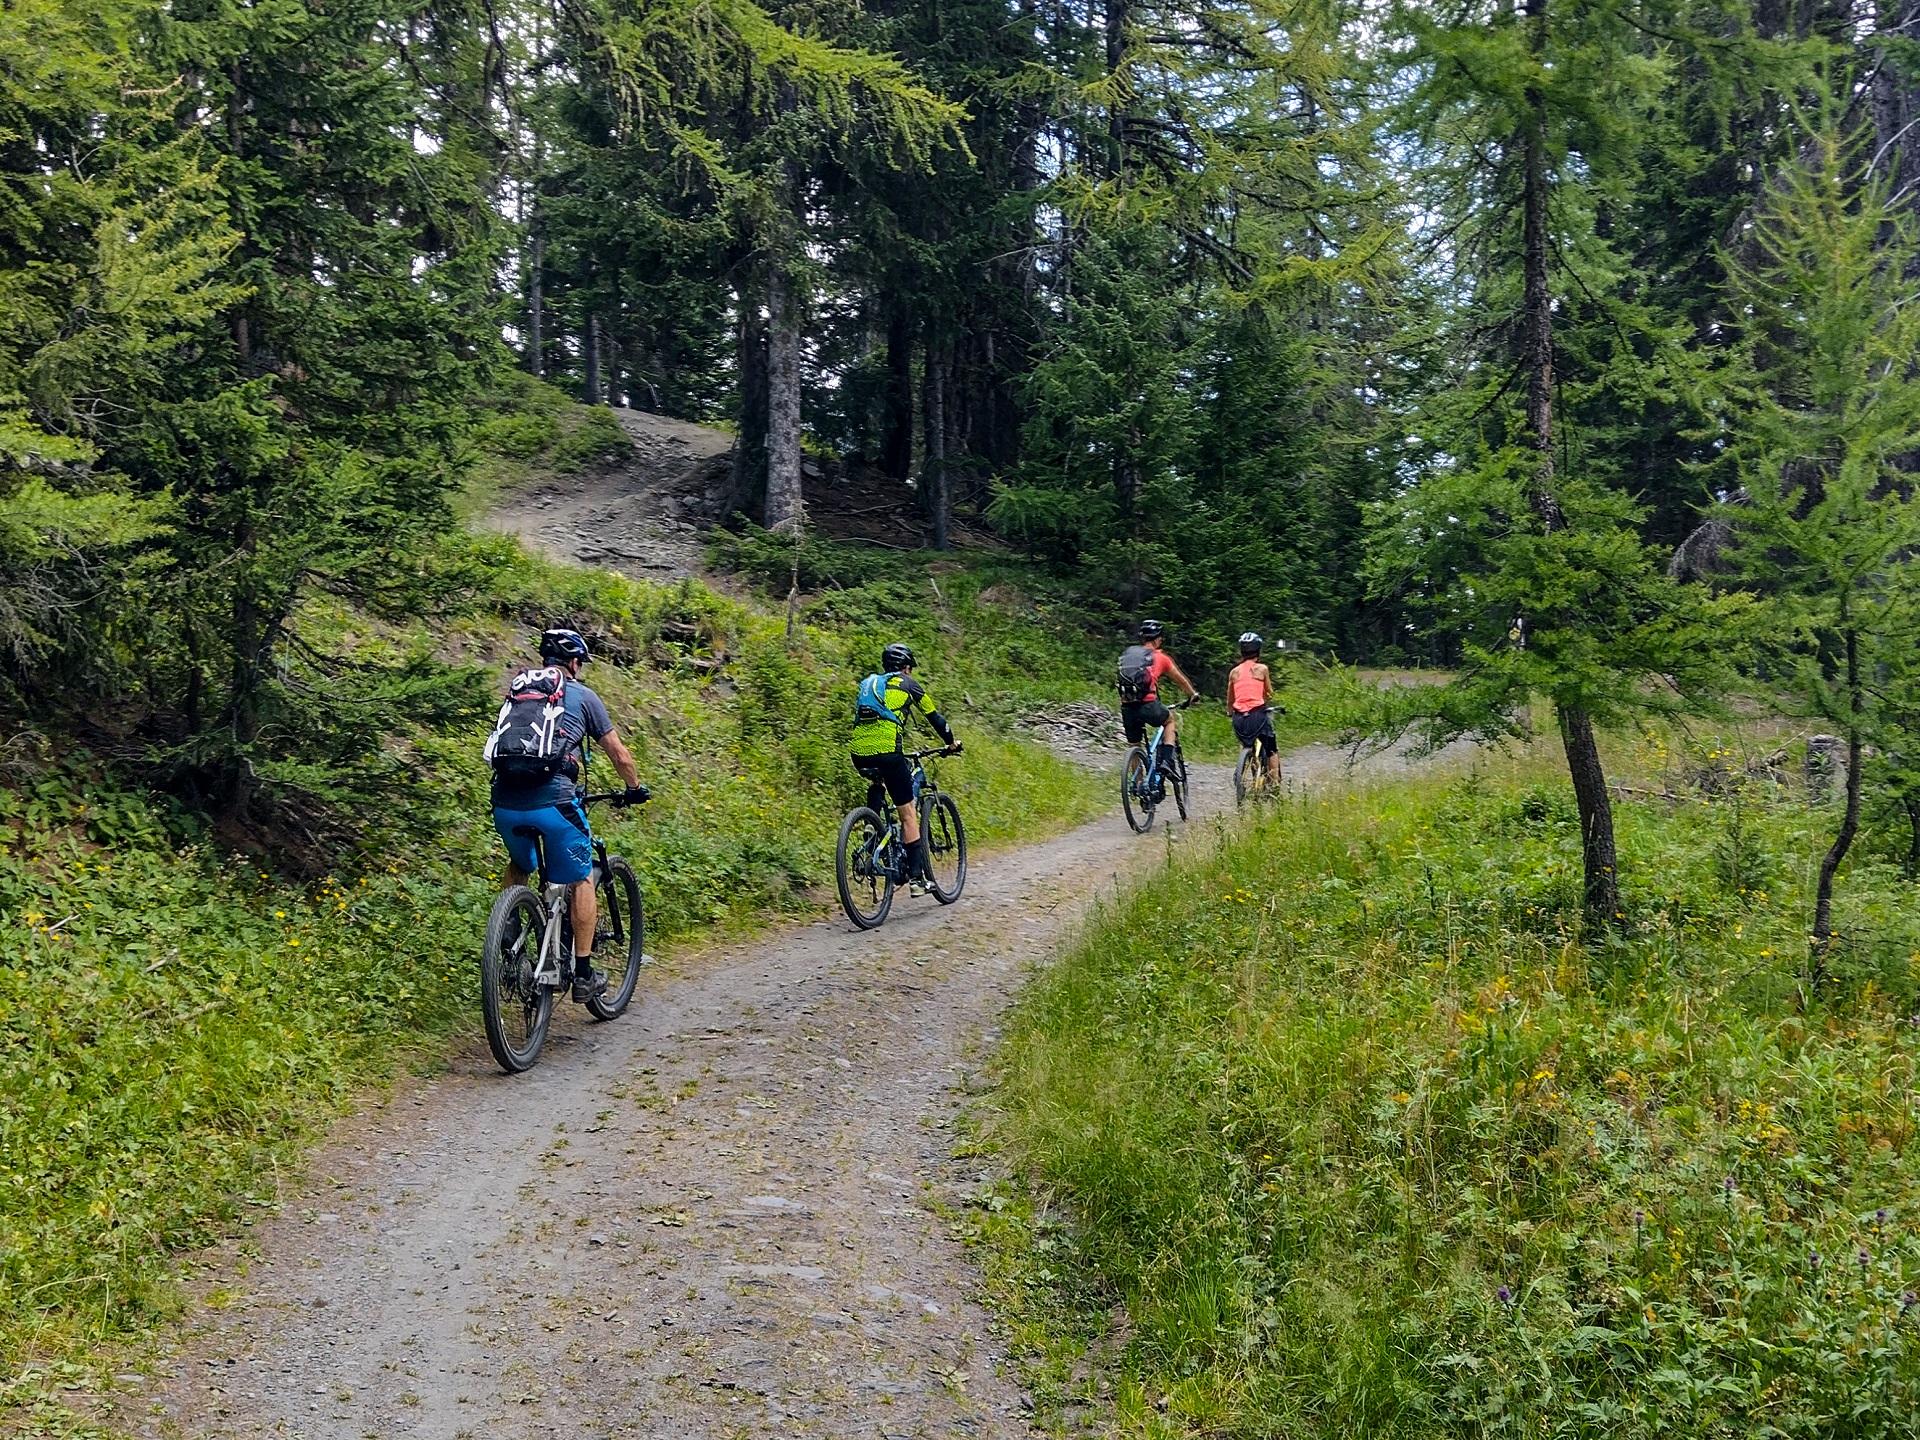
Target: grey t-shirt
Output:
[(582, 705)]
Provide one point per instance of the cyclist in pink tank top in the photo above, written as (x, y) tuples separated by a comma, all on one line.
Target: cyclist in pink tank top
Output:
[(1249, 692)]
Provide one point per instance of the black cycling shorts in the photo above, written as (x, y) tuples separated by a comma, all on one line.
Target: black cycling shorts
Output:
[(1137, 715), (889, 772), (1256, 727)]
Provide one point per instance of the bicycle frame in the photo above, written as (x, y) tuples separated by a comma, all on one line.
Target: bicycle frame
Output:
[(555, 965), (895, 864)]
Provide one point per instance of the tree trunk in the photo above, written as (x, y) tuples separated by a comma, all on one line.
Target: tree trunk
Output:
[(1599, 861), (590, 358), (750, 439), (1850, 819), (896, 446), (1116, 36), (1912, 803), (938, 490), (785, 503), (1896, 104), (536, 305), (1536, 304)]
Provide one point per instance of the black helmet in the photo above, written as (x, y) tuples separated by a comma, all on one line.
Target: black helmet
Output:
[(896, 657), (1151, 629), (1250, 644), (562, 645)]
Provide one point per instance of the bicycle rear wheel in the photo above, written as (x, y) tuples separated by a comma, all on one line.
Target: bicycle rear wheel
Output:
[(1136, 795), (866, 885), (618, 940), (1245, 775), (946, 841), (515, 1007)]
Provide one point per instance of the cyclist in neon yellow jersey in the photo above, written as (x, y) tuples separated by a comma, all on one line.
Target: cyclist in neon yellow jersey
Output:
[(878, 747)]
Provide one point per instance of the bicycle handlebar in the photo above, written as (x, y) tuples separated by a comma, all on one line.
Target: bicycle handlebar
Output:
[(617, 798), (929, 754)]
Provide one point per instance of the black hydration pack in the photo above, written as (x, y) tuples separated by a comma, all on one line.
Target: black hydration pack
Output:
[(534, 737), (1136, 673)]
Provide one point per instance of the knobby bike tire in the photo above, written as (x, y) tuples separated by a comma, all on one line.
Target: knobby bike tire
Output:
[(517, 1011), (946, 841), (1178, 784), (866, 890), (619, 941), (1243, 776), (1135, 798)]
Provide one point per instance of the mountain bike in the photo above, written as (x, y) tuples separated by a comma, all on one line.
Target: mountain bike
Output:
[(1250, 780), (528, 956), (1144, 785), (871, 858)]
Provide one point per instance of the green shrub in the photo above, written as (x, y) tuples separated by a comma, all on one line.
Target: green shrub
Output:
[(1370, 1142)]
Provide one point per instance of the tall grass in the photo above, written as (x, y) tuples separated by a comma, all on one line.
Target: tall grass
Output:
[(1370, 1140)]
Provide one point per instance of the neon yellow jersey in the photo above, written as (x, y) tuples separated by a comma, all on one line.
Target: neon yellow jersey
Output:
[(906, 696)]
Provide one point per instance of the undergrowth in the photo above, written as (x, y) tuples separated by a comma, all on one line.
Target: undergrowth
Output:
[(1369, 1139), (178, 1015)]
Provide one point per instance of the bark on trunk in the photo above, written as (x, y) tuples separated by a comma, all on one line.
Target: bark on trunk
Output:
[(1537, 296), (536, 306), (590, 358), (1912, 804), (939, 496), (785, 506), (1850, 819), (896, 448), (1599, 861), (750, 442), (1116, 36)]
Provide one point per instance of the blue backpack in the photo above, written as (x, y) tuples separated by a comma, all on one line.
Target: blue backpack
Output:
[(872, 702)]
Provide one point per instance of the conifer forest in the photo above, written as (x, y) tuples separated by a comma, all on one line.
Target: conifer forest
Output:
[(1545, 373)]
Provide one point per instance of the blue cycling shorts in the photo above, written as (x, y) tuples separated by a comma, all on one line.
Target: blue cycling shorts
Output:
[(563, 835)]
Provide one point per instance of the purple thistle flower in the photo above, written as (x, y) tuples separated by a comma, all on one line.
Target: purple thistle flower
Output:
[(1880, 1216), (1639, 1218), (1727, 1186), (1908, 1300), (1813, 1259), (1865, 1258), (1503, 1295)]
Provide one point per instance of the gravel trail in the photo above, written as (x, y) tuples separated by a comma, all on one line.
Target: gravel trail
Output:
[(713, 1217)]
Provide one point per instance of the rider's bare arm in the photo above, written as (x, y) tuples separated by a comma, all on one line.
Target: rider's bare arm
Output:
[(621, 757), (1177, 673)]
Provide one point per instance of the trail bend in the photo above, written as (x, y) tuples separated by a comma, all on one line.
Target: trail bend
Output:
[(714, 1217)]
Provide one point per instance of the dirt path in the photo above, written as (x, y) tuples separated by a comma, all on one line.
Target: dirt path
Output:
[(714, 1217), (646, 517)]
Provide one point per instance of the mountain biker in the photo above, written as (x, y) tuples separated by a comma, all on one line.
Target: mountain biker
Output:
[(878, 749), (1249, 692), (1142, 667), (527, 802)]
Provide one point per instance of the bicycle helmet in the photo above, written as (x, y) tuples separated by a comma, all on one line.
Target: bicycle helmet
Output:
[(1151, 630), (562, 646), (896, 657), (1250, 644)]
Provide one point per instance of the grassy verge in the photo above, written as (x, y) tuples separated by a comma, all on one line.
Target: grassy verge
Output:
[(1369, 1142), (176, 1018)]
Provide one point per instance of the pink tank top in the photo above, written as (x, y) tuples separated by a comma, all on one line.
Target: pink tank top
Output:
[(1246, 690)]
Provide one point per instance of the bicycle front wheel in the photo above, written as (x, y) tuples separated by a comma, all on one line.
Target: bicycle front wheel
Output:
[(946, 841), (1177, 782), (618, 940), (516, 1007), (866, 884), (1244, 775), (1136, 794)]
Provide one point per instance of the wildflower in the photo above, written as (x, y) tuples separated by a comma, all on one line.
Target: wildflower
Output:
[(1503, 1295), (1907, 1301), (1880, 1217), (1726, 1187), (1864, 1258), (1813, 1260)]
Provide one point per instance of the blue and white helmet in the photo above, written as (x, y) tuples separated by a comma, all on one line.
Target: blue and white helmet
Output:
[(563, 645)]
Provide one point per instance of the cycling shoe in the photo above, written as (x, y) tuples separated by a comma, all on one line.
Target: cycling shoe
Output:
[(590, 986)]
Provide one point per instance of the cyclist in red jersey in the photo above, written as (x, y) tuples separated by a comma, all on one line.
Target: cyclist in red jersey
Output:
[(1249, 692)]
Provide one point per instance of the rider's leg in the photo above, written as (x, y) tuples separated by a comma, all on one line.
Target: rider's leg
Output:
[(515, 876), (1171, 760), (586, 915), (1272, 762)]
